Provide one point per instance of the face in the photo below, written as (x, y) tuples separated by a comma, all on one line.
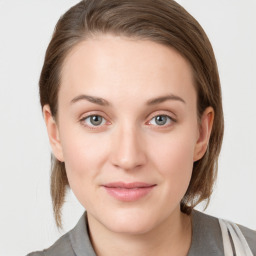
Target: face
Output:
[(127, 130)]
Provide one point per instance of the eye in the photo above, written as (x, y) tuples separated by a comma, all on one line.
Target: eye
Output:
[(161, 120), (93, 120)]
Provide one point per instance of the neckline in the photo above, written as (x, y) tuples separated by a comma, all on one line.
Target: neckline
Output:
[(206, 236)]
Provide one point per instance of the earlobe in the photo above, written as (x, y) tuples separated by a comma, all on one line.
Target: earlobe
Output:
[(205, 129), (53, 133)]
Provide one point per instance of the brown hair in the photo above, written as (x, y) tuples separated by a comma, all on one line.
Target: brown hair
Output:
[(161, 21)]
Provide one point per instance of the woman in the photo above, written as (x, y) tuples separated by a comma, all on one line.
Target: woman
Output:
[(131, 98)]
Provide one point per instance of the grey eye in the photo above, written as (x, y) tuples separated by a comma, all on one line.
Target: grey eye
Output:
[(94, 120), (161, 120)]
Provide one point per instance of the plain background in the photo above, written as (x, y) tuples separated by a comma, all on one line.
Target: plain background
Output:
[(26, 220)]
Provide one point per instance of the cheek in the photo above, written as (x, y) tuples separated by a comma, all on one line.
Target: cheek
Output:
[(173, 158), (83, 155), (176, 161)]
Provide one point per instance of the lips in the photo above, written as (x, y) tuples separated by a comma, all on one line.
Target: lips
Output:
[(128, 192)]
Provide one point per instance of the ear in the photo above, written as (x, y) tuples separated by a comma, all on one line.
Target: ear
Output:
[(53, 133), (205, 128)]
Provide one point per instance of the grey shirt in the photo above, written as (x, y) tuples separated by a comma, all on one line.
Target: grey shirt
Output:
[(206, 239)]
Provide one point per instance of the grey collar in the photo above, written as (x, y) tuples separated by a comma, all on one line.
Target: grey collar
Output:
[(206, 238)]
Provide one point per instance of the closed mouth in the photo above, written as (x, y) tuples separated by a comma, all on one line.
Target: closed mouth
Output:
[(128, 192)]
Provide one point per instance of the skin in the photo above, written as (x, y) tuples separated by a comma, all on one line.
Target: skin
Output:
[(130, 145)]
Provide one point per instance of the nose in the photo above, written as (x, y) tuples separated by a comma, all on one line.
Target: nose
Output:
[(128, 149)]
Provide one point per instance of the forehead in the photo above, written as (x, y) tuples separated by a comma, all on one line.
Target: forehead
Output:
[(111, 64)]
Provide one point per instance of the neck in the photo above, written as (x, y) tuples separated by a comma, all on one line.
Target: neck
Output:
[(171, 237)]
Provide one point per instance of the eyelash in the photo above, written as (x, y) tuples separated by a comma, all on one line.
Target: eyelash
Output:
[(93, 127), (171, 120)]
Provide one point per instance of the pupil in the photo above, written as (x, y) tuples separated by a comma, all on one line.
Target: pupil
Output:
[(96, 120), (161, 120)]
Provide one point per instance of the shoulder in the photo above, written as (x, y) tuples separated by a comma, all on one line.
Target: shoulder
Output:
[(206, 236), (75, 242), (250, 236), (208, 226), (61, 247)]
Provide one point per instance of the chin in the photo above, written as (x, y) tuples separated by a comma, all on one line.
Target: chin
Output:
[(130, 222), (131, 228)]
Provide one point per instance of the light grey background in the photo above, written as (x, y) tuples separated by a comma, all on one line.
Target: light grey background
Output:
[(26, 221)]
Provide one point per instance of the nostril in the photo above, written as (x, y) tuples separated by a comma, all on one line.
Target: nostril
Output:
[(127, 151)]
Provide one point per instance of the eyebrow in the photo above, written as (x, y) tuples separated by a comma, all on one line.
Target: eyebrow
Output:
[(161, 99), (92, 99), (103, 102)]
